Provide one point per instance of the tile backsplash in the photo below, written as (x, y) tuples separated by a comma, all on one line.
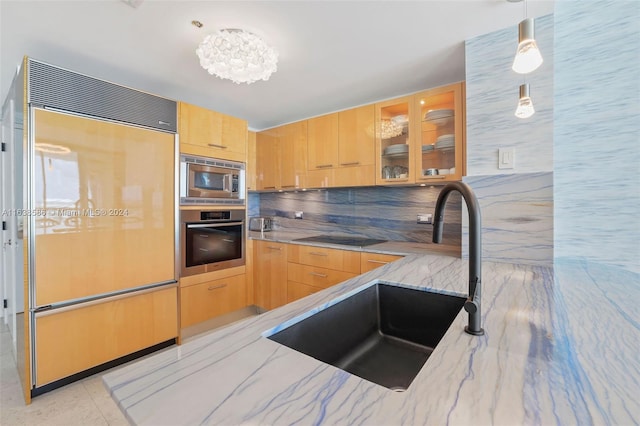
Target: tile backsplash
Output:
[(375, 212)]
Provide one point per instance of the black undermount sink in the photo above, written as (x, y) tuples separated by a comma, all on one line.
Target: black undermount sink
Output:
[(383, 333)]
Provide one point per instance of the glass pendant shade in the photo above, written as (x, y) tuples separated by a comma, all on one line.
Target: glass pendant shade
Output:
[(528, 57), (525, 104), (237, 55)]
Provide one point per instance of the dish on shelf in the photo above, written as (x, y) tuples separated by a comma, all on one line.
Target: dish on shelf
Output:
[(396, 149), (427, 148), (445, 141), (439, 117)]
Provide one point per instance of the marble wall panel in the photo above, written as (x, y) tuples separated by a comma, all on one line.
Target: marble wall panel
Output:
[(517, 217), (377, 212), (492, 96), (596, 132)]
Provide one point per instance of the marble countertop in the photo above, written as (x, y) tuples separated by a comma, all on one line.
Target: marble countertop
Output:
[(388, 247), (560, 346)]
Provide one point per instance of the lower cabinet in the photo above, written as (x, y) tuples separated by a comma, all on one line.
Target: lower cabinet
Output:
[(209, 299), (284, 272), (77, 339), (371, 261), (303, 280), (270, 274)]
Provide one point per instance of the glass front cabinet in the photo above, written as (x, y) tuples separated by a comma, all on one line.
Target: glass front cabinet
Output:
[(394, 139), (439, 134), (420, 138)]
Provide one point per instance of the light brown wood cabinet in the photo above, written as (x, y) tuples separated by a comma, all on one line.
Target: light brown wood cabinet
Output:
[(439, 134), (420, 138), (311, 269), (342, 148), (270, 274), (211, 134), (75, 340), (203, 301), (371, 261), (281, 157), (252, 182)]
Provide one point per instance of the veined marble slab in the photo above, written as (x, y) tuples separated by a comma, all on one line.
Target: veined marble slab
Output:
[(543, 359), (517, 217)]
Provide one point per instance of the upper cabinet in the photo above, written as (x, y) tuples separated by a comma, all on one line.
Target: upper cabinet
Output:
[(211, 134), (420, 138), (415, 139), (439, 131), (394, 133), (341, 148), (281, 157)]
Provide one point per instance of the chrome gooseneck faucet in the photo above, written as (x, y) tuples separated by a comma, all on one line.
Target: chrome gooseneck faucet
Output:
[(472, 305)]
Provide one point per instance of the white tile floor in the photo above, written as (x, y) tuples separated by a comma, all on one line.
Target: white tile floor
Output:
[(82, 403), (85, 402)]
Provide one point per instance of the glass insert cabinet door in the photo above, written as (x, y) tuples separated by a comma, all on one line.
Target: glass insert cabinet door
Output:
[(104, 203), (394, 138), (438, 150)]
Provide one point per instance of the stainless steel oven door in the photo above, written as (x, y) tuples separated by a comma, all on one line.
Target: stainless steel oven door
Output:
[(211, 245)]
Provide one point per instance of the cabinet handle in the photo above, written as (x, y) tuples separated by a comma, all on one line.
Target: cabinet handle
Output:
[(316, 253), (288, 186), (269, 187), (215, 287), (215, 145), (353, 163), (274, 248), (377, 261), (430, 177), (316, 274), (398, 180), (323, 166)]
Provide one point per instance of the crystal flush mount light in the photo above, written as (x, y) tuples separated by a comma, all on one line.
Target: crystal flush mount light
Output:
[(237, 55), (525, 105)]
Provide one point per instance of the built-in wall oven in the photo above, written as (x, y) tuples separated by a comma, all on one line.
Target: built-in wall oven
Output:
[(211, 240)]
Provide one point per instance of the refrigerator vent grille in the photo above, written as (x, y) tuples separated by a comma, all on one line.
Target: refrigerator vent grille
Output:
[(54, 87)]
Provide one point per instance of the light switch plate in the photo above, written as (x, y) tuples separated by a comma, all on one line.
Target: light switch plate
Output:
[(506, 158)]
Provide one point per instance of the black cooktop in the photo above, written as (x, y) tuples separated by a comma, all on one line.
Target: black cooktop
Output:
[(346, 240)]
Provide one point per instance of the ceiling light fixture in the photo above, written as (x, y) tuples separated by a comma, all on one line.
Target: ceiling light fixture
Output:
[(525, 104), (237, 55), (528, 57)]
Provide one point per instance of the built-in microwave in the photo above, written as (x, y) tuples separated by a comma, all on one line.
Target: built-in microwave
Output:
[(211, 181)]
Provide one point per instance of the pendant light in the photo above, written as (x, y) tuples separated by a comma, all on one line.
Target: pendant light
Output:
[(525, 104), (528, 57)]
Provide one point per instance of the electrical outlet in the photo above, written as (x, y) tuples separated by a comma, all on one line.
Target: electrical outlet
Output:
[(425, 218), (298, 215)]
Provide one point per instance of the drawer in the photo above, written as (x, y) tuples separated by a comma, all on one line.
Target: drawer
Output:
[(203, 301), (340, 260), (371, 261), (315, 276), (297, 290)]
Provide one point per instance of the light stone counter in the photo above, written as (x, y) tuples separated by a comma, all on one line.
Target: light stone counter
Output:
[(560, 347), (389, 247)]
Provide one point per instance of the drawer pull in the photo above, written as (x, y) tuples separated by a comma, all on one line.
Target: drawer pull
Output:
[(317, 253), (269, 187), (274, 248), (377, 261), (323, 166), (288, 186), (214, 145), (215, 287), (316, 274), (353, 163)]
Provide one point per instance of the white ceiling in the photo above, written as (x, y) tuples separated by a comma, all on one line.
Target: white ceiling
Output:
[(333, 54)]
